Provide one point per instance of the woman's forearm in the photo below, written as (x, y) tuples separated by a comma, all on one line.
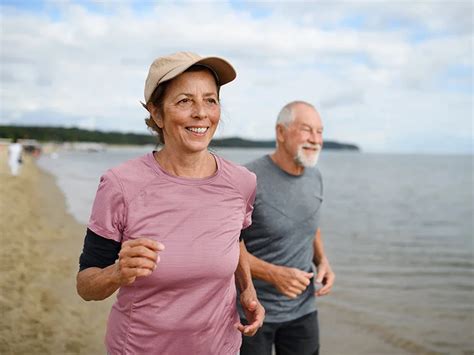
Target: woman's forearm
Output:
[(95, 284), (243, 277)]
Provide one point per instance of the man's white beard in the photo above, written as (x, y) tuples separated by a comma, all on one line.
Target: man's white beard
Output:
[(308, 160)]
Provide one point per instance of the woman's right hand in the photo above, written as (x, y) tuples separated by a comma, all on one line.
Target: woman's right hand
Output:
[(137, 258)]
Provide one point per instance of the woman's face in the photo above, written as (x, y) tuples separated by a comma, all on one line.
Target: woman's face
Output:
[(191, 112)]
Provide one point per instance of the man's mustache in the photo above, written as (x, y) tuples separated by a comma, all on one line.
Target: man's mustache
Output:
[(312, 146)]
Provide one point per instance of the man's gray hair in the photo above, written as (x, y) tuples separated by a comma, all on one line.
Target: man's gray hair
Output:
[(286, 114)]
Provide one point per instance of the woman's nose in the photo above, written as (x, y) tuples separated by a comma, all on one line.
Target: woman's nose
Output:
[(199, 110)]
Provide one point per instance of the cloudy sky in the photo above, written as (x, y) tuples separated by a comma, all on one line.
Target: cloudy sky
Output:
[(390, 76)]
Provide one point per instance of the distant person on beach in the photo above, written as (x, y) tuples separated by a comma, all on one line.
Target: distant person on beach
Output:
[(173, 220), (287, 258), (15, 150)]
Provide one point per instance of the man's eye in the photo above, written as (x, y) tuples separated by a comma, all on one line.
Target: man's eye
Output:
[(212, 101)]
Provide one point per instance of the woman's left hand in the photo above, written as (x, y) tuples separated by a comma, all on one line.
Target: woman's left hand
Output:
[(254, 312)]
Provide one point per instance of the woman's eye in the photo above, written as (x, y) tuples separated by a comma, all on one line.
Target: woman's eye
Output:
[(212, 101), (184, 101)]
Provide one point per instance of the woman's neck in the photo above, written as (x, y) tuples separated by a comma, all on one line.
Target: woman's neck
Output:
[(196, 165)]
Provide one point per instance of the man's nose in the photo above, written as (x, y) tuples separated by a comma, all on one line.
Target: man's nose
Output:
[(315, 138)]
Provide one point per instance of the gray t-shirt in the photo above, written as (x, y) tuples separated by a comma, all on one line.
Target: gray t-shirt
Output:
[(284, 222)]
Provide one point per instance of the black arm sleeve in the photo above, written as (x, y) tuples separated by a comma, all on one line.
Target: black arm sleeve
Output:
[(98, 251)]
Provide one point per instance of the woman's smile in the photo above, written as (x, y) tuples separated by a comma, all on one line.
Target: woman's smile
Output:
[(198, 131)]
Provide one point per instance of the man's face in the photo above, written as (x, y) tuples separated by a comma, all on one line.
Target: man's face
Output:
[(303, 137)]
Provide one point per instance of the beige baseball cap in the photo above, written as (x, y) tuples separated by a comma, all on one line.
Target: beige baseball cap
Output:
[(168, 67)]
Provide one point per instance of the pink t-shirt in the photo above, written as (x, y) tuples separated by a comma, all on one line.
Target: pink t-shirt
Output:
[(188, 304)]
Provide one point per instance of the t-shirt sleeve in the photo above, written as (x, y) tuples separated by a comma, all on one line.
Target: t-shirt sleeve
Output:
[(98, 252), (108, 211), (249, 205)]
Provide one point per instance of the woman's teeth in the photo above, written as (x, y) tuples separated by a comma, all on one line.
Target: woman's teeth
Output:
[(197, 130)]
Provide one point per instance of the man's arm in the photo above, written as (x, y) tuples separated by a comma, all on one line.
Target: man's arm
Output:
[(289, 281), (325, 274), (254, 311)]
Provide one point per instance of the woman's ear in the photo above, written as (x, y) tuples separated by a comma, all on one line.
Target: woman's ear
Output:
[(155, 114)]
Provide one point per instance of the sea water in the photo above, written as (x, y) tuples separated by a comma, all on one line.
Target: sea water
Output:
[(398, 230)]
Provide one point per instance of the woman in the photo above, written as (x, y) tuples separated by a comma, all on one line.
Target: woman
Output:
[(173, 219)]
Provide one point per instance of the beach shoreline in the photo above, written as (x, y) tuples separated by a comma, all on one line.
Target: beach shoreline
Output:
[(42, 312)]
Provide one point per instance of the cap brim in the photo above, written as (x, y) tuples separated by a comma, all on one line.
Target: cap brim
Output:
[(224, 70)]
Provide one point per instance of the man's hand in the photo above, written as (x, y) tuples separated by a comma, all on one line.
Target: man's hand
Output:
[(325, 277), (137, 258), (254, 312), (290, 281)]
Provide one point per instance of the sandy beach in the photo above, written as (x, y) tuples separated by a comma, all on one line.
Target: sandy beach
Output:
[(41, 243), (41, 312)]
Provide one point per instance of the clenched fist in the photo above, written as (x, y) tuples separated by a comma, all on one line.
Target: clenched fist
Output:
[(137, 258)]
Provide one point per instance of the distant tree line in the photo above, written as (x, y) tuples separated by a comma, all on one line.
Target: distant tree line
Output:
[(62, 134)]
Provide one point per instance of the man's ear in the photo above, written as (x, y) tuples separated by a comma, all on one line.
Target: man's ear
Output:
[(155, 114), (280, 133)]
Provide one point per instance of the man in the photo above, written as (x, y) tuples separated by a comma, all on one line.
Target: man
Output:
[(284, 239)]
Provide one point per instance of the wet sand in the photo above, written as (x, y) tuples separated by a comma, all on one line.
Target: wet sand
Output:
[(40, 310)]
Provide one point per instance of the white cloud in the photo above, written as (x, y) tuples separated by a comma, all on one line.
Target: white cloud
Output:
[(368, 81)]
